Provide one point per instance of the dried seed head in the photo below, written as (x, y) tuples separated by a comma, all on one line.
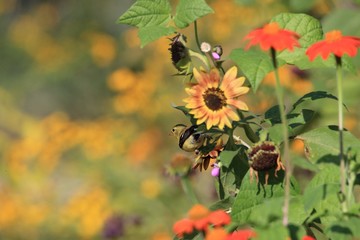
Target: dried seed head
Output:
[(263, 156)]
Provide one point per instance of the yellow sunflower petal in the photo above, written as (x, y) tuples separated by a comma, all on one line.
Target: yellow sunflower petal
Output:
[(214, 78), (240, 80), (209, 121), (227, 122), (230, 75), (236, 92), (201, 120), (234, 84), (216, 119), (197, 75), (231, 114), (194, 104), (222, 123), (208, 124), (198, 112), (238, 104), (224, 120), (231, 85), (191, 91)]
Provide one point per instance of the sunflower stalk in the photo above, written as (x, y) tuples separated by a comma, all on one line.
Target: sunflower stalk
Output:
[(288, 167)]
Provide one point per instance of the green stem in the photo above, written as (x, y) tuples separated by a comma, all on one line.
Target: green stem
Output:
[(197, 36), (201, 57), (341, 128), (288, 167), (248, 131), (188, 189)]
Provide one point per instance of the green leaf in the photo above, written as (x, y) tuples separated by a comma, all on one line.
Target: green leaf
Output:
[(344, 229), (232, 176), (268, 211), (304, 164), (295, 120), (317, 230), (339, 231), (275, 231), (313, 96), (145, 13), (310, 31), (252, 194), (222, 204), (254, 63), (308, 27), (152, 33), (322, 144), (226, 157), (187, 11), (322, 193)]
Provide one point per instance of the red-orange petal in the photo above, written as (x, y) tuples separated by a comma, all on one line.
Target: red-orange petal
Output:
[(271, 36), (244, 234), (217, 234), (336, 44), (183, 226), (198, 211), (219, 218)]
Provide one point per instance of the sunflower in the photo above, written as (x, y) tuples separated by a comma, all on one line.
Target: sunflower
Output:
[(213, 100)]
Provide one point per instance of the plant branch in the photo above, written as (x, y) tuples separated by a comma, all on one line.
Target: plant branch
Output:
[(288, 167), (197, 36), (341, 128)]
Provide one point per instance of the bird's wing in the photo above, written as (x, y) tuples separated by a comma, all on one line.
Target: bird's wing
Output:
[(186, 134)]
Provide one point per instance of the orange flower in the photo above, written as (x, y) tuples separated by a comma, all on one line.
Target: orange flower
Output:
[(334, 43), (182, 227), (219, 218), (272, 36), (200, 218), (244, 234), (217, 234), (213, 100), (199, 215)]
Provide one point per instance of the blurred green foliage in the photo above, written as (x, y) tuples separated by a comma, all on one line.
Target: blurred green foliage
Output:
[(85, 113)]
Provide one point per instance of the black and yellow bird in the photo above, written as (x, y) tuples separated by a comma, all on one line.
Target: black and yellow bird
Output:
[(189, 139)]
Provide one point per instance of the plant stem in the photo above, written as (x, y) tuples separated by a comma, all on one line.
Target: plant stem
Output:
[(341, 128), (188, 189), (202, 57), (197, 37), (288, 167)]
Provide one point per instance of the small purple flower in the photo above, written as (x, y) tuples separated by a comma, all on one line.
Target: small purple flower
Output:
[(216, 56), (215, 172), (217, 52)]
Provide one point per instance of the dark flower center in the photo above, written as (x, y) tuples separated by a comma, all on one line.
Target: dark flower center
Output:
[(214, 99)]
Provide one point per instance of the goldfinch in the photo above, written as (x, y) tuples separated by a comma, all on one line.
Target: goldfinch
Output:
[(189, 139)]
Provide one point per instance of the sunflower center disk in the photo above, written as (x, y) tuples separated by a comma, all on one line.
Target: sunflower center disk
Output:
[(214, 99)]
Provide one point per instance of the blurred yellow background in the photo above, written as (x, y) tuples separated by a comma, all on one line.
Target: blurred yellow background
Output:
[(85, 115)]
